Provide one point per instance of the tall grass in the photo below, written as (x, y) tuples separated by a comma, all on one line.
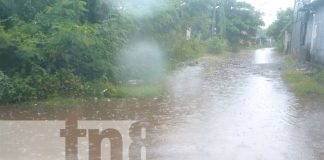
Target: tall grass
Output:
[(305, 85)]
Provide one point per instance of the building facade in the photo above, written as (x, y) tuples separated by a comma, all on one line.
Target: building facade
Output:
[(307, 40)]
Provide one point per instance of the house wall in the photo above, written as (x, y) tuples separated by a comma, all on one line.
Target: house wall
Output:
[(308, 34), (317, 50), (309, 31), (296, 42)]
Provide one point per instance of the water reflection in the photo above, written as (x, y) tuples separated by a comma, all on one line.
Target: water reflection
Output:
[(233, 108), (263, 56)]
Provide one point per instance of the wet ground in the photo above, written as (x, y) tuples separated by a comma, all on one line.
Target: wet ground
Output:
[(232, 108)]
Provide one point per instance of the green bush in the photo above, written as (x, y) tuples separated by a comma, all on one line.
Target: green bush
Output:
[(279, 45), (100, 88), (186, 49), (39, 85), (319, 77), (15, 89), (23, 91), (7, 89), (217, 45), (290, 58), (68, 84)]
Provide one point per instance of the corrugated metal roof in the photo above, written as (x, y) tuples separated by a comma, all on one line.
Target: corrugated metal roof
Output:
[(313, 4)]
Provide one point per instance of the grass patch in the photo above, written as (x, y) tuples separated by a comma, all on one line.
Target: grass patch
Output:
[(118, 91), (305, 85), (291, 59), (319, 77), (50, 103), (140, 91)]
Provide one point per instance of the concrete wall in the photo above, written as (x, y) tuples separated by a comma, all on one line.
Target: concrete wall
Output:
[(296, 44), (317, 49), (308, 34)]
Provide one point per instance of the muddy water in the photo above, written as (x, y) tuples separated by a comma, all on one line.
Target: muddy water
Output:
[(222, 108)]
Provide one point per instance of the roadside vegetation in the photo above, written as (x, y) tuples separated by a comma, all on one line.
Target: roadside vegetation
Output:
[(304, 82), (282, 25), (70, 48), (308, 85)]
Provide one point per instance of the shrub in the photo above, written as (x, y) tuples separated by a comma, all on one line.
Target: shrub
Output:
[(217, 45), (100, 88), (68, 84), (319, 77), (186, 49), (23, 91), (39, 85), (15, 89), (7, 89)]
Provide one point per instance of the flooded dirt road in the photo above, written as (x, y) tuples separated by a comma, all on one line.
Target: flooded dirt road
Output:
[(238, 109), (233, 108)]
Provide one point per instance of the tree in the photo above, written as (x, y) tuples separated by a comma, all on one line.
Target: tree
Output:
[(25, 10), (241, 22), (283, 23), (61, 47), (99, 10), (57, 51)]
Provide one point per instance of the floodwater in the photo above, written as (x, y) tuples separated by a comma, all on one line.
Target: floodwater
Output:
[(232, 108)]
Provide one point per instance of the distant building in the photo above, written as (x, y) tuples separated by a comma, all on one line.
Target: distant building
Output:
[(307, 40)]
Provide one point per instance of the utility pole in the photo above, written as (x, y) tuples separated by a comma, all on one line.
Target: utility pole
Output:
[(213, 21), (222, 18)]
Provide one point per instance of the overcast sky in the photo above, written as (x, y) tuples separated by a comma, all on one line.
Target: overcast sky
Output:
[(270, 8)]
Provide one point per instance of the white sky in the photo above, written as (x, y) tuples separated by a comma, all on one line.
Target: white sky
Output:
[(270, 8)]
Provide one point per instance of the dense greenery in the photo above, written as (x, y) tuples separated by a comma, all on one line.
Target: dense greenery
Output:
[(53, 48)]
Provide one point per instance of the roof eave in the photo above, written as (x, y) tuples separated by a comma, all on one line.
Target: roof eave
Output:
[(315, 4)]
